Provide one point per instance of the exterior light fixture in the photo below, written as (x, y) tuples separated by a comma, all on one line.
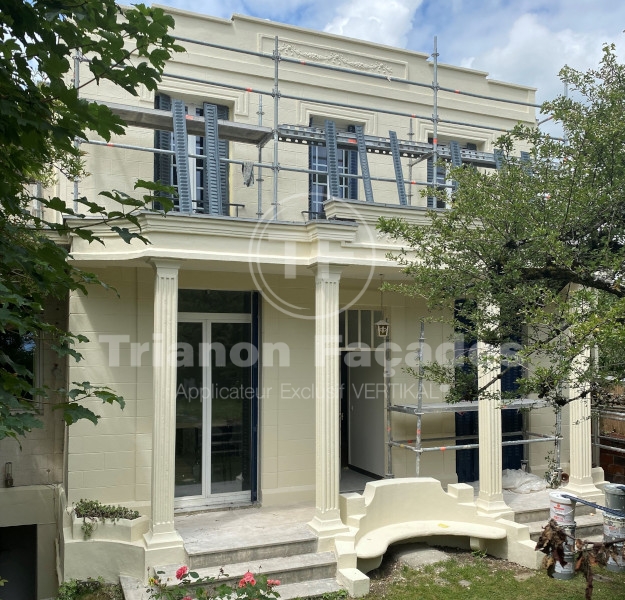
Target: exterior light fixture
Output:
[(383, 328)]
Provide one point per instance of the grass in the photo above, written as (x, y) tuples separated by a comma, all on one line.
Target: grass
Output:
[(468, 577)]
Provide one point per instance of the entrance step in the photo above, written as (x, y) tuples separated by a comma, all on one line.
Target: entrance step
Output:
[(233, 552), (295, 569), (133, 589), (588, 527), (534, 515), (308, 589)]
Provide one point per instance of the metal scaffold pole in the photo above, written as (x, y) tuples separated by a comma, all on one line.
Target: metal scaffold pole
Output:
[(435, 117), (419, 400), (259, 176), (276, 98), (77, 59)]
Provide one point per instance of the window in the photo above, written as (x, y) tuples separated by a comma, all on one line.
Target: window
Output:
[(165, 165), (22, 351), (441, 176), (348, 186)]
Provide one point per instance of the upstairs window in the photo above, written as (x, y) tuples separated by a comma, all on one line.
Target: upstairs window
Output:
[(165, 165), (318, 185)]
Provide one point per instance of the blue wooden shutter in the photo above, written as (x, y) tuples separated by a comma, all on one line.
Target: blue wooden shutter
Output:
[(352, 169), (162, 141), (223, 113)]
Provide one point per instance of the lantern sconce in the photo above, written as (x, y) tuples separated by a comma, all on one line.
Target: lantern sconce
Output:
[(382, 328)]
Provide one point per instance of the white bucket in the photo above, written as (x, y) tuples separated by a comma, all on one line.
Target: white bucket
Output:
[(562, 510), (569, 544), (613, 528), (616, 565), (566, 571)]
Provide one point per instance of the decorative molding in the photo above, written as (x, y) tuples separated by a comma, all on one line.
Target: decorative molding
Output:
[(195, 92), (338, 59), (331, 55)]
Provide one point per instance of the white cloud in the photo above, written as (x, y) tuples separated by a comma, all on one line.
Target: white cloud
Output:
[(535, 54), (386, 23)]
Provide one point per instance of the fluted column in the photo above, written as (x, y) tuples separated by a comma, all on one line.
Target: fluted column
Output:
[(162, 532), (327, 521), (490, 498), (580, 442)]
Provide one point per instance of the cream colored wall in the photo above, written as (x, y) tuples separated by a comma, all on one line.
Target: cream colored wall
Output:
[(107, 461), (124, 167), (111, 462)]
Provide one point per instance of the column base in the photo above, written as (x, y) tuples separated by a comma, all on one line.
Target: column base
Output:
[(327, 526), (584, 488), (162, 540), (492, 505)]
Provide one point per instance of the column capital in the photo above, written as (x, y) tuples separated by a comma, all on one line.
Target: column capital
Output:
[(326, 271), (165, 263)]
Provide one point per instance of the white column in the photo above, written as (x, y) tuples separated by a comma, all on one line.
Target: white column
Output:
[(490, 498), (580, 443), (327, 520), (162, 533)]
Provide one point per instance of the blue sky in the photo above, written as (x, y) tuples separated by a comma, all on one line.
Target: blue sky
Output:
[(521, 41)]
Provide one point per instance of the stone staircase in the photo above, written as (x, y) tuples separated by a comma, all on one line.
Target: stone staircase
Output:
[(589, 524), (302, 571)]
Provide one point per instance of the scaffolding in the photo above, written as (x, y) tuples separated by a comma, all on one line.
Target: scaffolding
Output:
[(420, 409), (260, 135)]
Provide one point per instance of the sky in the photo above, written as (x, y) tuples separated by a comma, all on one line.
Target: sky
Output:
[(518, 41)]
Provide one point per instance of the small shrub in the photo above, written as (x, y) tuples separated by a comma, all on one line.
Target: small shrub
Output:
[(89, 589), (95, 511)]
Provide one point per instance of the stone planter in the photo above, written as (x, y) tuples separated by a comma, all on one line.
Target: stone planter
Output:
[(121, 530)]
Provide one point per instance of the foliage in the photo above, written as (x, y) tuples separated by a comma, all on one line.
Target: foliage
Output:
[(465, 577), (554, 543), (535, 249), (95, 511), (41, 116), (250, 587), (89, 589)]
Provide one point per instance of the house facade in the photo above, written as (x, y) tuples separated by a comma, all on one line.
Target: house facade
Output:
[(244, 335)]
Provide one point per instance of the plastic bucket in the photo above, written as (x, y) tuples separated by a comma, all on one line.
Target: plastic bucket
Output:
[(614, 497), (569, 530), (616, 565), (566, 571), (561, 510), (613, 528)]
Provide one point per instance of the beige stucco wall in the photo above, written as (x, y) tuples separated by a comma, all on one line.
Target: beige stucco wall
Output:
[(111, 462), (214, 66)]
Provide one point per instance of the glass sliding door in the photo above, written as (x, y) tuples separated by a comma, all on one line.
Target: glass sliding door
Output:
[(231, 407), (190, 385), (214, 397)]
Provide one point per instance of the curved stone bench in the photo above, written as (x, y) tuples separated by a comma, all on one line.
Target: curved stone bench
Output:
[(398, 510), (375, 543)]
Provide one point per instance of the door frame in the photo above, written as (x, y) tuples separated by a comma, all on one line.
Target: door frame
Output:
[(226, 498)]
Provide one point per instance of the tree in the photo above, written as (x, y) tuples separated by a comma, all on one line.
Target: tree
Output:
[(536, 247), (41, 116)]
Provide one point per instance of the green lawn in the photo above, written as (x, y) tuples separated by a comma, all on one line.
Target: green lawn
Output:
[(469, 577)]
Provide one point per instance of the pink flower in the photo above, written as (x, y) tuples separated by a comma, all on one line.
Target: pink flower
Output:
[(272, 582), (182, 571), (187, 598), (247, 578)]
